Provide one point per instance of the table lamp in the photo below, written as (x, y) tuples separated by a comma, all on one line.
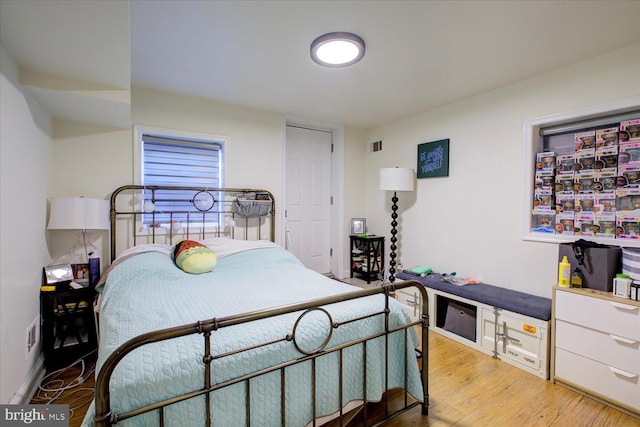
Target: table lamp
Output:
[(79, 213)]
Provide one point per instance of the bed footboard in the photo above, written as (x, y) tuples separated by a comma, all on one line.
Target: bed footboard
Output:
[(390, 335)]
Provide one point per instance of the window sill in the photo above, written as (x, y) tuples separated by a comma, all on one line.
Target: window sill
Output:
[(556, 238)]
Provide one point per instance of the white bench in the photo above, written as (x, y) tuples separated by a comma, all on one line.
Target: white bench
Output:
[(509, 325)]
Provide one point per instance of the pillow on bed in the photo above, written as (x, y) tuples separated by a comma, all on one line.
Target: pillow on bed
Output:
[(193, 257)]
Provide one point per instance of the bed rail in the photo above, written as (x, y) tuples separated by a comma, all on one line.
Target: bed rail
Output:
[(105, 417), (164, 214)]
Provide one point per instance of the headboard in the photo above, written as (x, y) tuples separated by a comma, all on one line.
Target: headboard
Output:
[(166, 214)]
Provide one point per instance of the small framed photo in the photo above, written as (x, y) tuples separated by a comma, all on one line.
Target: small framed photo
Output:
[(80, 273), (358, 225), (58, 273)]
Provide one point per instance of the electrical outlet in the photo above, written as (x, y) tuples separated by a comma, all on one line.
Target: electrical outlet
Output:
[(32, 336)]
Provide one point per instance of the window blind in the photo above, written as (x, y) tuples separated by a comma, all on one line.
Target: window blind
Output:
[(560, 138), (602, 121), (174, 161), (170, 161)]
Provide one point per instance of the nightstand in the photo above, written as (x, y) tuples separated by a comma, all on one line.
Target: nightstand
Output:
[(68, 329), (367, 256)]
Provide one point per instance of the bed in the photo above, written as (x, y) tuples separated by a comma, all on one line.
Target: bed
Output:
[(258, 341)]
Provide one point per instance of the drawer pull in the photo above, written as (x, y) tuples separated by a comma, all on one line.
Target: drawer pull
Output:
[(416, 303), (624, 340), (621, 372), (625, 307)]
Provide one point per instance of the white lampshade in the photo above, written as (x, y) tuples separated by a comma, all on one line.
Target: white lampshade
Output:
[(78, 213), (396, 179)]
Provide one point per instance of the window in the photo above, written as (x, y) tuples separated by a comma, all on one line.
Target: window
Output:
[(576, 162), (175, 158), (183, 162)]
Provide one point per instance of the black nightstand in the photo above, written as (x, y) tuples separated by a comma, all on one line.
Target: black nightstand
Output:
[(367, 256), (68, 329)]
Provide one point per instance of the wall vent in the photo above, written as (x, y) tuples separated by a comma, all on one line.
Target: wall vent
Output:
[(32, 336), (376, 146)]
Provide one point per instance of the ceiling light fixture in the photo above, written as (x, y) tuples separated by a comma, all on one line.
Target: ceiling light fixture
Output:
[(337, 49)]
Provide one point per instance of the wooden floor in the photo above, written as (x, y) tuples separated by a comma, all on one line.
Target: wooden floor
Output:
[(78, 382), (468, 389)]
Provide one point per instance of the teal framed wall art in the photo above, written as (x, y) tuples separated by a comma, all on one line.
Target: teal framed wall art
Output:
[(433, 159)]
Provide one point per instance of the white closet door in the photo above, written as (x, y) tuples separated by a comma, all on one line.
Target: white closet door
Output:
[(308, 196)]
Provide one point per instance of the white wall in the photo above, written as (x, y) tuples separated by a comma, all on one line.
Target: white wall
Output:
[(471, 221), (254, 152), (25, 152), (87, 160), (354, 186)]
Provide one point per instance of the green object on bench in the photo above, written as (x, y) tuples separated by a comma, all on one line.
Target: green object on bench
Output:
[(422, 270)]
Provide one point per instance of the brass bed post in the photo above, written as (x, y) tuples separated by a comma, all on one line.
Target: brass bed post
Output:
[(340, 390), (387, 294), (424, 373), (364, 379), (273, 217), (112, 231), (283, 403), (207, 359), (247, 393)]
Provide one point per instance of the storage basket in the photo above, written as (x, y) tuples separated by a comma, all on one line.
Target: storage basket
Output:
[(251, 208), (461, 320), (631, 262)]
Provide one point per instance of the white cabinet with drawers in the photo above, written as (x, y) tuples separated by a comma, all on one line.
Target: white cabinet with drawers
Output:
[(597, 346)]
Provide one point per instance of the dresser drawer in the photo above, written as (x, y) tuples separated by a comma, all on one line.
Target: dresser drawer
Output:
[(620, 352), (608, 316), (599, 378)]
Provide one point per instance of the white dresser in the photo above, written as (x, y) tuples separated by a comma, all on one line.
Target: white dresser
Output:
[(596, 346)]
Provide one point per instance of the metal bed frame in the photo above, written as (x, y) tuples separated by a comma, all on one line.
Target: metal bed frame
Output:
[(222, 208)]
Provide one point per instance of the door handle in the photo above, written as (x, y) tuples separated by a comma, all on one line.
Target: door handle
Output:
[(505, 336), (416, 303)]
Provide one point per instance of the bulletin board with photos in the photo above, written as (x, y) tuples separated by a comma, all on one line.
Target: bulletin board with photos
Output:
[(587, 182)]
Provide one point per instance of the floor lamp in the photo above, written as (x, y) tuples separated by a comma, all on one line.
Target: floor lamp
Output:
[(395, 179)]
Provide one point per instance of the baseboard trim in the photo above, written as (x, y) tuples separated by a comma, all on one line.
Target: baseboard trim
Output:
[(30, 384)]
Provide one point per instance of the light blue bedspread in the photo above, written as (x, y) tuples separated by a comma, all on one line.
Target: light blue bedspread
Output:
[(148, 292)]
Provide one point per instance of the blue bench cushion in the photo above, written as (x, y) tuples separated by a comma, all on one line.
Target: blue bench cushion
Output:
[(508, 299)]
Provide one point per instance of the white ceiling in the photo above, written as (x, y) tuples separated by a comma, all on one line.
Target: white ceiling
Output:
[(420, 54)]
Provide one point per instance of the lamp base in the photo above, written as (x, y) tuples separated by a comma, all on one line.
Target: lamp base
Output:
[(394, 232)]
